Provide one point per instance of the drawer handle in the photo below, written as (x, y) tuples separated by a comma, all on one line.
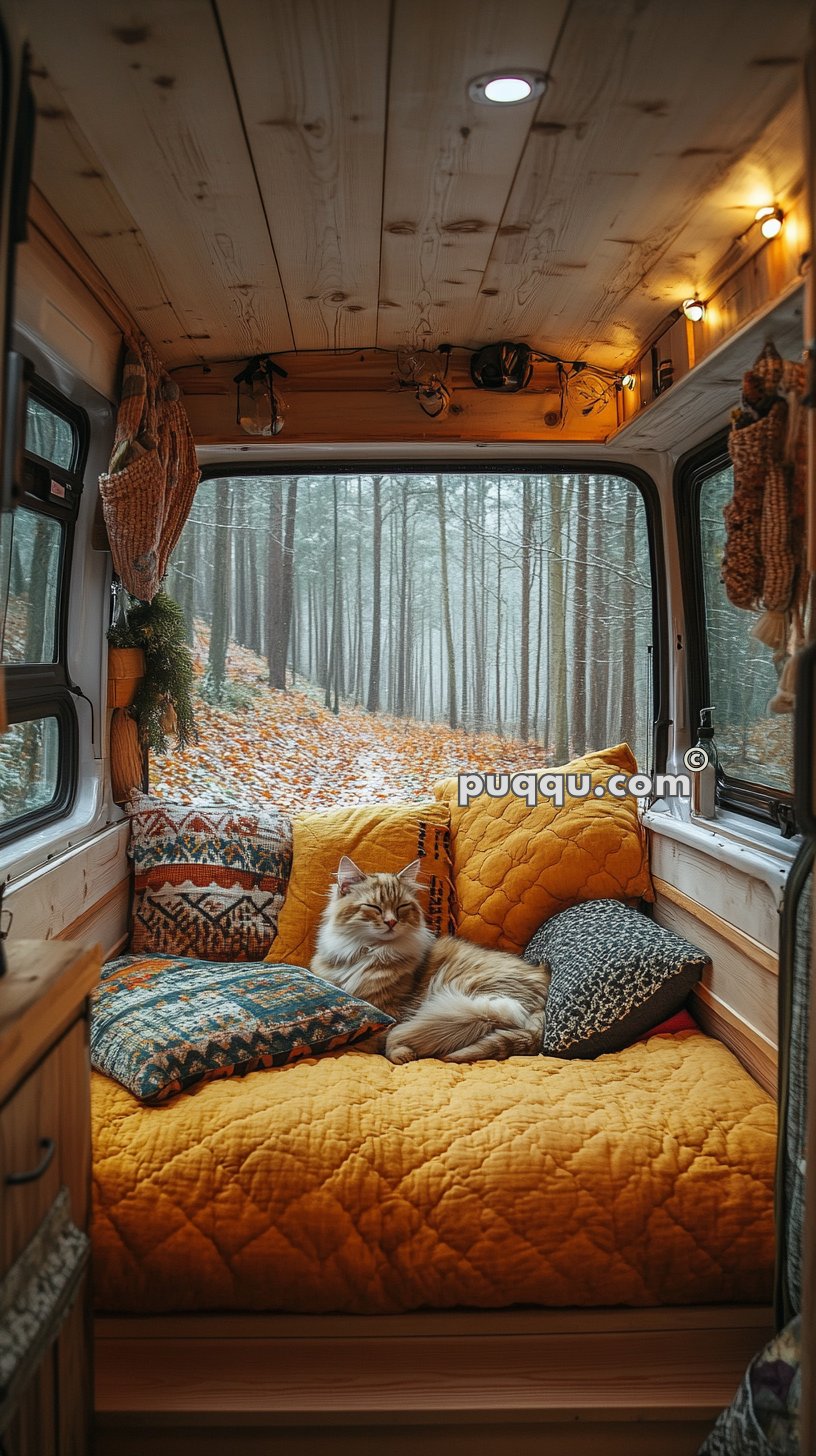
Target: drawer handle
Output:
[(48, 1147)]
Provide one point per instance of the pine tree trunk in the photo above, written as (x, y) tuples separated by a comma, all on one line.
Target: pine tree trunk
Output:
[(219, 622), (557, 632), (498, 610), (464, 688), (282, 625), (628, 720), (527, 515), (580, 615), (446, 606), (373, 699)]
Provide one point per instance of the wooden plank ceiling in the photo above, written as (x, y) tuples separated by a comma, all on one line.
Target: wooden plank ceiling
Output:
[(269, 175)]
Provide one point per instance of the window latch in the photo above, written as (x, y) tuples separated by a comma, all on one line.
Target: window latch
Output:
[(785, 816)]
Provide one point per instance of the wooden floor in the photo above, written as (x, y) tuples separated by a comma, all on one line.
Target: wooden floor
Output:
[(617, 1382)]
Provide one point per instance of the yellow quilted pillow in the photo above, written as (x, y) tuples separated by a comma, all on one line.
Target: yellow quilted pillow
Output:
[(514, 866), (378, 837)]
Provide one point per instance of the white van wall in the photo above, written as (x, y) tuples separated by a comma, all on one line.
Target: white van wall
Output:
[(70, 879)]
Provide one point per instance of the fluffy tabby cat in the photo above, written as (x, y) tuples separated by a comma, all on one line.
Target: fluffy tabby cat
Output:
[(451, 999)]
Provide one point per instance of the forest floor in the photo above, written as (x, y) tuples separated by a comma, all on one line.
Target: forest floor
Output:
[(288, 749)]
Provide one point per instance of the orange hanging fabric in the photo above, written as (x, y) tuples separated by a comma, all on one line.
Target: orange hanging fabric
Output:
[(150, 484)]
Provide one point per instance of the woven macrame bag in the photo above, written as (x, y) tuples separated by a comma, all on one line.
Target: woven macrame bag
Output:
[(755, 450)]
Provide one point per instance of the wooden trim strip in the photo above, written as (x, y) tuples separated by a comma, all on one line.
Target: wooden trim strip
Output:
[(757, 1054), (70, 932), (464, 1324), (746, 944)]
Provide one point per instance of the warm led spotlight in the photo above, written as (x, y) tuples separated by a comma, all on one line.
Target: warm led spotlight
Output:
[(628, 381), (694, 309), (507, 88), (770, 221)]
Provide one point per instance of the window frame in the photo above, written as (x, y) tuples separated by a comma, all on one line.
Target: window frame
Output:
[(742, 796), (45, 689), (514, 465)]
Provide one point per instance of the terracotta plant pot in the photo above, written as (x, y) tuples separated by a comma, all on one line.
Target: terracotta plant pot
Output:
[(126, 668)]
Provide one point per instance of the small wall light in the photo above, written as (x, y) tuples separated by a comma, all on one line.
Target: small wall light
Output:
[(770, 221), (694, 309), (628, 381)]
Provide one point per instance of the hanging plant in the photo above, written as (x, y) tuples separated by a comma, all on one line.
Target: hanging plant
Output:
[(163, 704)]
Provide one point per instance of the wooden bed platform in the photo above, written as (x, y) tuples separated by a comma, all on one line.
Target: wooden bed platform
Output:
[(609, 1382)]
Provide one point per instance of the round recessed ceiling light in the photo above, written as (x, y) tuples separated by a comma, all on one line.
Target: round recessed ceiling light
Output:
[(507, 88)]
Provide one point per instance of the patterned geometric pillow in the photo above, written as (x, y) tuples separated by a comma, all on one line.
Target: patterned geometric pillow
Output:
[(615, 974), (160, 1024), (209, 879)]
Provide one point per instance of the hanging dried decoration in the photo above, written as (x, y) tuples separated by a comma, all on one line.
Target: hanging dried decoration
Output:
[(764, 558), (148, 489), (259, 407)]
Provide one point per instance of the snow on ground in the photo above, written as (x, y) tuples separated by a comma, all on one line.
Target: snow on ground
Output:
[(287, 749)]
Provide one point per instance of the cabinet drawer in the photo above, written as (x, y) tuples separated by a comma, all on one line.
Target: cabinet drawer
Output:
[(45, 1142)]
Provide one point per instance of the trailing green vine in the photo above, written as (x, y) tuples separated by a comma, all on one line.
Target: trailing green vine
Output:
[(163, 705)]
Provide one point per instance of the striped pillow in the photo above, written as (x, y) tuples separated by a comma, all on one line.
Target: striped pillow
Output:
[(209, 880)]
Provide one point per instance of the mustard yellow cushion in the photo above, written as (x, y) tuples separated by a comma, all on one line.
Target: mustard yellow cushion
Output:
[(346, 1183), (514, 866), (379, 838)]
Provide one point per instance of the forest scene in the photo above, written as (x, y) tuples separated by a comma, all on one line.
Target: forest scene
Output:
[(359, 637), (752, 743)]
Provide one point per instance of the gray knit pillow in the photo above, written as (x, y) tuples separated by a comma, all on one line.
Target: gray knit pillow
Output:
[(615, 975)]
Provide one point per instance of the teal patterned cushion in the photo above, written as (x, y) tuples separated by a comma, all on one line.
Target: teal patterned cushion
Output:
[(159, 1024)]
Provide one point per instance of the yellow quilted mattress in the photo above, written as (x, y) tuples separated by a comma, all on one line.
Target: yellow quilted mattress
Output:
[(645, 1177)]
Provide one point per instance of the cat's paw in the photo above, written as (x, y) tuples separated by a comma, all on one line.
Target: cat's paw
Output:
[(400, 1054)]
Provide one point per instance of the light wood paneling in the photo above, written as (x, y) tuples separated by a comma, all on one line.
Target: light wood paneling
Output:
[(735, 897), (312, 77), (226, 133), (635, 178), (53, 900), (459, 1379), (39, 996), (745, 944), (756, 1052), (68, 172), (451, 161), (153, 95), (749, 988), (356, 396)]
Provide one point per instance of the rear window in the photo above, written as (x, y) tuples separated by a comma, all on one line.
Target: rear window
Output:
[(361, 636)]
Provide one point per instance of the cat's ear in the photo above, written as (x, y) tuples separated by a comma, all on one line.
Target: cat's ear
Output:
[(411, 872), (348, 875)]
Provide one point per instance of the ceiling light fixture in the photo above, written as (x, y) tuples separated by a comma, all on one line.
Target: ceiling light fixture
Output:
[(507, 88), (628, 381), (694, 309), (770, 220)]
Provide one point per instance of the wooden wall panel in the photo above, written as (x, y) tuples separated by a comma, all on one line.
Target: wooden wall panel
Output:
[(356, 397), (450, 161), (312, 77), (154, 96), (88, 882)]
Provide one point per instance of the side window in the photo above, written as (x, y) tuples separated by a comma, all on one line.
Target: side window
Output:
[(731, 669), (38, 753)]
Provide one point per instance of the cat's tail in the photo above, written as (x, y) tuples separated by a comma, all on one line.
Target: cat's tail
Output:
[(460, 1028)]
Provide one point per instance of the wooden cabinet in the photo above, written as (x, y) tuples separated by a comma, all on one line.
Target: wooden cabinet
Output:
[(45, 1194)]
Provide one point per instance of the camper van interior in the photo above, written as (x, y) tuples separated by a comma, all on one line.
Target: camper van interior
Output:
[(407, 809)]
